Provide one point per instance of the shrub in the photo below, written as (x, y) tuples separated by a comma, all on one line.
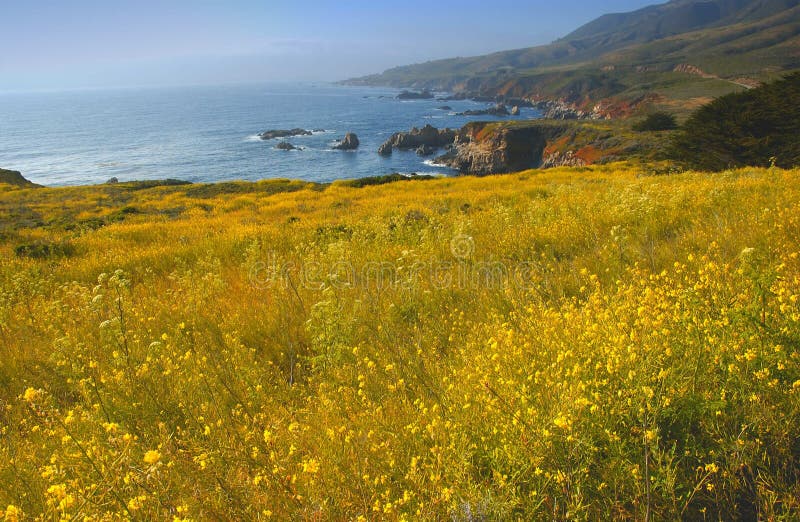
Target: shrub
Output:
[(380, 180), (44, 250), (657, 121), (759, 127)]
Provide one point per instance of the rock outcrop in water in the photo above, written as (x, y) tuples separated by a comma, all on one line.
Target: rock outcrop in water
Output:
[(497, 110), (427, 136), (350, 142), (285, 145), (281, 133), (411, 95)]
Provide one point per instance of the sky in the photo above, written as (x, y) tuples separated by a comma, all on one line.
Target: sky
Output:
[(65, 44)]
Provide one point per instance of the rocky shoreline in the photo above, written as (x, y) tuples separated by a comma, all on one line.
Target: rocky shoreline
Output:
[(425, 140), (552, 109), (481, 148), (484, 148)]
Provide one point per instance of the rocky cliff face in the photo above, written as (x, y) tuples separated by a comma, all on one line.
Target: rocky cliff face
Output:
[(486, 148), (428, 136), (481, 148)]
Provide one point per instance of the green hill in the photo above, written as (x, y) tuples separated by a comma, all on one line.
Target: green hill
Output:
[(15, 179), (676, 17), (681, 53)]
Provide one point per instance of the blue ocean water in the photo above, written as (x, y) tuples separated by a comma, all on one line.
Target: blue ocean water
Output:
[(206, 134)]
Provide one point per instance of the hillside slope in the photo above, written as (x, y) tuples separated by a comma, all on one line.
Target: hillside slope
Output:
[(682, 50), (672, 18), (12, 178)]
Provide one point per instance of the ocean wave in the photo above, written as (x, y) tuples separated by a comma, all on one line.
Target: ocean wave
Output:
[(434, 173), (340, 150), (432, 163), (317, 132)]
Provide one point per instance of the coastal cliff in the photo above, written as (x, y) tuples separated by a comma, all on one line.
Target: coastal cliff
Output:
[(485, 148), (481, 148)]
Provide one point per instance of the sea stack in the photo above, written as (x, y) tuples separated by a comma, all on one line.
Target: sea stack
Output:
[(350, 142)]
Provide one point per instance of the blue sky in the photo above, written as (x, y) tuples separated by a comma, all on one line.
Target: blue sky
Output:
[(51, 44)]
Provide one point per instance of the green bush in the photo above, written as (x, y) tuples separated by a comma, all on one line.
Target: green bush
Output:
[(657, 121), (381, 180), (759, 127), (44, 250)]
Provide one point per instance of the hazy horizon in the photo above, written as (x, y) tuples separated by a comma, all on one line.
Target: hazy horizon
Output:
[(95, 44)]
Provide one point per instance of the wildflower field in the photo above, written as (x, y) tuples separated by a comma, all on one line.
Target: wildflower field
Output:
[(577, 344)]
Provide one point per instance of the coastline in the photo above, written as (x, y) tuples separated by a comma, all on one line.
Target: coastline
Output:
[(162, 134)]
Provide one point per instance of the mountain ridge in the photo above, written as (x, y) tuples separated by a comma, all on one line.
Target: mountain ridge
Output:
[(733, 43)]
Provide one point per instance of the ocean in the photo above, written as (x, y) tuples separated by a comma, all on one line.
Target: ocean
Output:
[(208, 134)]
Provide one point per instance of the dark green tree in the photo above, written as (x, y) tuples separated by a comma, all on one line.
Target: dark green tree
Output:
[(759, 127), (657, 121)]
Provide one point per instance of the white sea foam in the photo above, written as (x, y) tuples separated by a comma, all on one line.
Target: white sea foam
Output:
[(416, 173), (257, 137), (432, 163)]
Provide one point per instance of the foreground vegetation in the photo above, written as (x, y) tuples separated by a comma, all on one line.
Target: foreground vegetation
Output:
[(575, 344)]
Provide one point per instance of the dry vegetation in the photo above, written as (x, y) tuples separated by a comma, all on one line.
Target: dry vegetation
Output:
[(577, 344)]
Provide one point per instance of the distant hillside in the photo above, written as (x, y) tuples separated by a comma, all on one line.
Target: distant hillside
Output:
[(676, 17), (681, 50)]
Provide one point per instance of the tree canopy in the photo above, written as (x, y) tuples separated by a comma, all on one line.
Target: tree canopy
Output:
[(759, 127)]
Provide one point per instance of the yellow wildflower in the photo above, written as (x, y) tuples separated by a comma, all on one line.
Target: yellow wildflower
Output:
[(13, 513), (311, 466), (30, 394), (561, 422), (152, 457)]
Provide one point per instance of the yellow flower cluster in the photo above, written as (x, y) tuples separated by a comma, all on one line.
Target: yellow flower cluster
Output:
[(614, 346)]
